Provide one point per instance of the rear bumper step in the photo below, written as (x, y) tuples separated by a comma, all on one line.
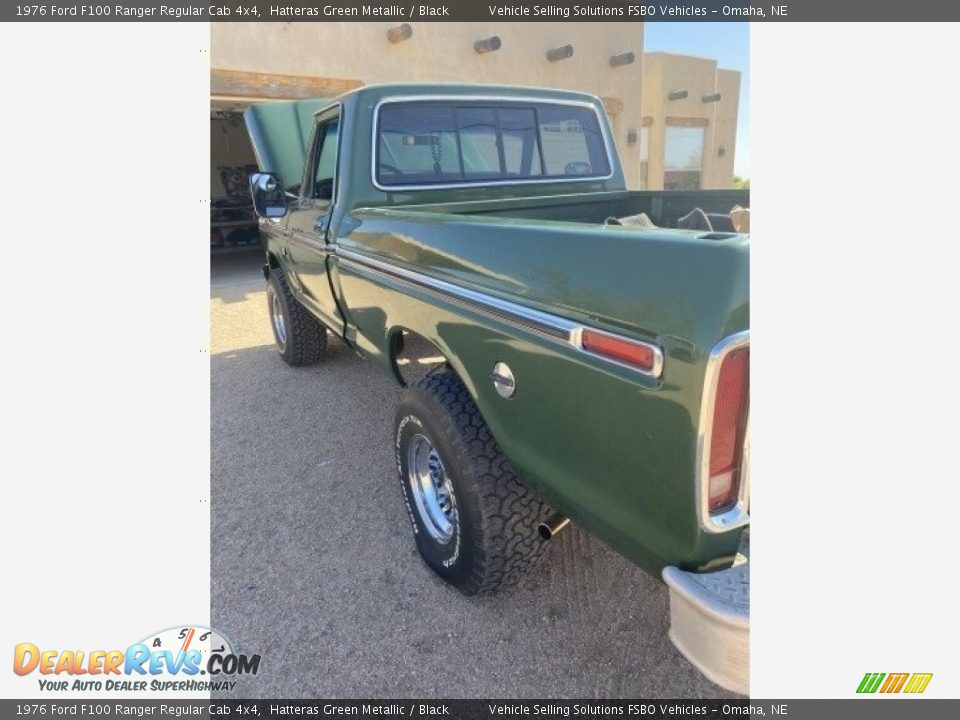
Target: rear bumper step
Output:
[(710, 621)]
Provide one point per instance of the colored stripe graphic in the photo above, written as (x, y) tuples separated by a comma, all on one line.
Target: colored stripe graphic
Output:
[(918, 682), (870, 682), (894, 683)]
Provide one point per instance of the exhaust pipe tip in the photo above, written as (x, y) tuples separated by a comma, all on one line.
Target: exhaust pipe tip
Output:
[(553, 525)]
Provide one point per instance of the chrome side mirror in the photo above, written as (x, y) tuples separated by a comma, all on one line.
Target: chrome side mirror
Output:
[(269, 199)]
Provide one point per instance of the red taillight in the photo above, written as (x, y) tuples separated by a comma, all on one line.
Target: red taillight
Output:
[(644, 356), (729, 424)]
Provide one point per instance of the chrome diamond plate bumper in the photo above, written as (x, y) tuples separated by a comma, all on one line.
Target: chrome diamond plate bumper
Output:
[(710, 620)]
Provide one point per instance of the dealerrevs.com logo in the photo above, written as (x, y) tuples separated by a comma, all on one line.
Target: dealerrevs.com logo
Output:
[(890, 683), (187, 658)]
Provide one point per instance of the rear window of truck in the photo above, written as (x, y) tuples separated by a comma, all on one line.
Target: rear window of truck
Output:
[(421, 143)]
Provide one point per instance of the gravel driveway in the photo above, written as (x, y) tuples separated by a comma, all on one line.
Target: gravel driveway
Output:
[(314, 567)]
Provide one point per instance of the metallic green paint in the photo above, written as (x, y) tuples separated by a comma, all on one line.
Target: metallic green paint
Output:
[(280, 133), (613, 449)]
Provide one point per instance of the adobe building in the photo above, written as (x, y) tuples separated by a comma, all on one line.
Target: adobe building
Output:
[(657, 134), (688, 124)]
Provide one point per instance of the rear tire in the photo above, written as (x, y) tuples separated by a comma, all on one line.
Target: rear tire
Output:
[(474, 522), (299, 336)]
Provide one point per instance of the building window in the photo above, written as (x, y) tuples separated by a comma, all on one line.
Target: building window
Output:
[(683, 158)]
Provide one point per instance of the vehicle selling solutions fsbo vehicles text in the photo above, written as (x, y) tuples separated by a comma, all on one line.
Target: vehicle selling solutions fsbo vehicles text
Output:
[(676, 11)]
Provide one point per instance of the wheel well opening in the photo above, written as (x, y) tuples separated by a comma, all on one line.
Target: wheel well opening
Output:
[(413, 356)]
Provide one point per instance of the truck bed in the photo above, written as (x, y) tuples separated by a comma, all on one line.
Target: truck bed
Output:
[(663, 207)]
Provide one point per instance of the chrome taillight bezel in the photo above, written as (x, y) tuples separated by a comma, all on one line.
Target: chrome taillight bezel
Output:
[(739, 514)]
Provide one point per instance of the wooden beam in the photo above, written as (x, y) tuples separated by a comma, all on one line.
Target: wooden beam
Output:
[(240, 83)]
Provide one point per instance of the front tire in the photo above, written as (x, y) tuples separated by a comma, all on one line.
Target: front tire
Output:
[(299, 336), (474, 522)]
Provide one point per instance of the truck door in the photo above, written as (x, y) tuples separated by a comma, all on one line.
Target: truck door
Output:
[(308, 222)]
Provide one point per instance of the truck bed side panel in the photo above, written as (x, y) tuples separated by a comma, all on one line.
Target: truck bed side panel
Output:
[(610, 447)]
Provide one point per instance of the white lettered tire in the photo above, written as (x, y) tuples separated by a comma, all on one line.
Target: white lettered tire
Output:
[(475, 523)]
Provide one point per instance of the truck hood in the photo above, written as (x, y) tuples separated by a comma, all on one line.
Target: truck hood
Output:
[(280, 134)]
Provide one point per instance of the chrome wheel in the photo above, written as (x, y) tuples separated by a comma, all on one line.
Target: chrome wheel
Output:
[(431, 489), (276, 318)]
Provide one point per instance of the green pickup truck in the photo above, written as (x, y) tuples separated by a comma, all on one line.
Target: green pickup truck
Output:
[(595, 357)]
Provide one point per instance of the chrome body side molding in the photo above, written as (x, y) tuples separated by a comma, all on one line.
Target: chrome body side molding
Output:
[(552, 326)]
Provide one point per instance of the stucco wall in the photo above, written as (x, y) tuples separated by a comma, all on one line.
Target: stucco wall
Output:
[(725, 128)]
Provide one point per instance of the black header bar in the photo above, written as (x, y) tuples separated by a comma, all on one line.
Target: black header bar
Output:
[(482, 11), (647, 709)]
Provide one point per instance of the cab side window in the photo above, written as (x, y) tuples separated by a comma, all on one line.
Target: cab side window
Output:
[(328, 135)]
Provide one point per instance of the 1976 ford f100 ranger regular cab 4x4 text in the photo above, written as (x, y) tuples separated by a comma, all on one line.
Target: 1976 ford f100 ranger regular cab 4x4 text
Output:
[(596, 362)]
